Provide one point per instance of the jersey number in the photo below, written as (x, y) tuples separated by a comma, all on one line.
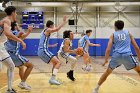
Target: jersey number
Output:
[(121, 37)]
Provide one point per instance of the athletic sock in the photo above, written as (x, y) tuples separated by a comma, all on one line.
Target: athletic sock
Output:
[(55, 71), (97, 87)]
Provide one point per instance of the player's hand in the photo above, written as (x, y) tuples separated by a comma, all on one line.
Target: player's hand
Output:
[(75, 51), (65, 18), (98, 45), (55, 44), (30, 28), (23, 45), (105, 63)]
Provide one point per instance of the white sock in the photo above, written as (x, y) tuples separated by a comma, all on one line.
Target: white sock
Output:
[(55, 71), (10, 71), (97, 87)]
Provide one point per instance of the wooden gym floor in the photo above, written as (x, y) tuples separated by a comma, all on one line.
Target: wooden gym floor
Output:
[(121, 81)]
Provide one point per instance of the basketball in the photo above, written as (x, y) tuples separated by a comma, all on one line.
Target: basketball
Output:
[(20, 34), (80, 51)]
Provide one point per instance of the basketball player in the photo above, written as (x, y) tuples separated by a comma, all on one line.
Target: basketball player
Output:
[(12, 48), (5, 26), (121, 41), (43, 51), (65, 50), (85, 43), (80, 39)]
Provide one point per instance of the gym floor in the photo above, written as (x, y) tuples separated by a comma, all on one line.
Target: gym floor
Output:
[(121, 81)]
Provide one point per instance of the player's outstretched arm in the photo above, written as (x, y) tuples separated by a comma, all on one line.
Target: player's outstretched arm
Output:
[(50, 30), (8, 33), (30, 29), (108, 49), (91, 44), (136, 47), (53, 45)]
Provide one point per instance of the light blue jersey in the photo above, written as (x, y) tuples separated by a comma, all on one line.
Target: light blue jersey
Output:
[(44, 41), (12, 48), (122, 42), (43, 51), (122, 52), (12, 45), (83, 43)]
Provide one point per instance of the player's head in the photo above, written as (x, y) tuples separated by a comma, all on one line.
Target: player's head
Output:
[(11, 11), (119, 25), (14, 26), (50, 24), (88, 32), (68, 34)]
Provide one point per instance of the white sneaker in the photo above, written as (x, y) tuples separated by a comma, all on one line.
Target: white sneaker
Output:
[(88, 68), (27, 85), (54, 82), (23, 85), (95, 91), (84, 67), (11, 91)]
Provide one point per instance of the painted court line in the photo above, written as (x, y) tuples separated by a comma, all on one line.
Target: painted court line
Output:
[(13, 84)]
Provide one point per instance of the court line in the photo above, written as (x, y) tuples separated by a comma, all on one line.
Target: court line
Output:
[(115, 72), (7, 85)]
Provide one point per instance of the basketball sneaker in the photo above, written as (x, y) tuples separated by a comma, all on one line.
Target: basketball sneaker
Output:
[(54, 82), (84, 67), (11, 91), (88, 68), (70, 75), (23, 85), (95, 90)]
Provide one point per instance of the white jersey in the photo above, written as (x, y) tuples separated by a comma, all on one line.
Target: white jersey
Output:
[(3, 52), (61, 51)]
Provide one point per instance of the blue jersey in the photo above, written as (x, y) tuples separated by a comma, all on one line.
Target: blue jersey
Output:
[(122, 42), (44, 41), (83, 42), (12, 45)]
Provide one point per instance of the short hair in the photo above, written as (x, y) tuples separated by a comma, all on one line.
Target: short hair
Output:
[(49, 22), (13, 24), (66, 34), (9, 10), (119, 24), (88, 31)]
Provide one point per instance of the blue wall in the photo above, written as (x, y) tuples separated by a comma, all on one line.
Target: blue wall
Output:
[(32, 46)]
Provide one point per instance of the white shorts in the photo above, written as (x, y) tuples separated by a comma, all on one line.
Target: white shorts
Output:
[(3, 53), (69, 58)]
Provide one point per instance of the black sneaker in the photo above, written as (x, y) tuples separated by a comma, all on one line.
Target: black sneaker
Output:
[(70, 75), (11, 91)]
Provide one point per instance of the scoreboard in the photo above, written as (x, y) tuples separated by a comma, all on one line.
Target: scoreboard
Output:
[(36, 19)]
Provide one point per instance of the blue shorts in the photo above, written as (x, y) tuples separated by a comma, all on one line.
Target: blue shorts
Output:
[(127, 60), (45, 55), (18, 59)]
